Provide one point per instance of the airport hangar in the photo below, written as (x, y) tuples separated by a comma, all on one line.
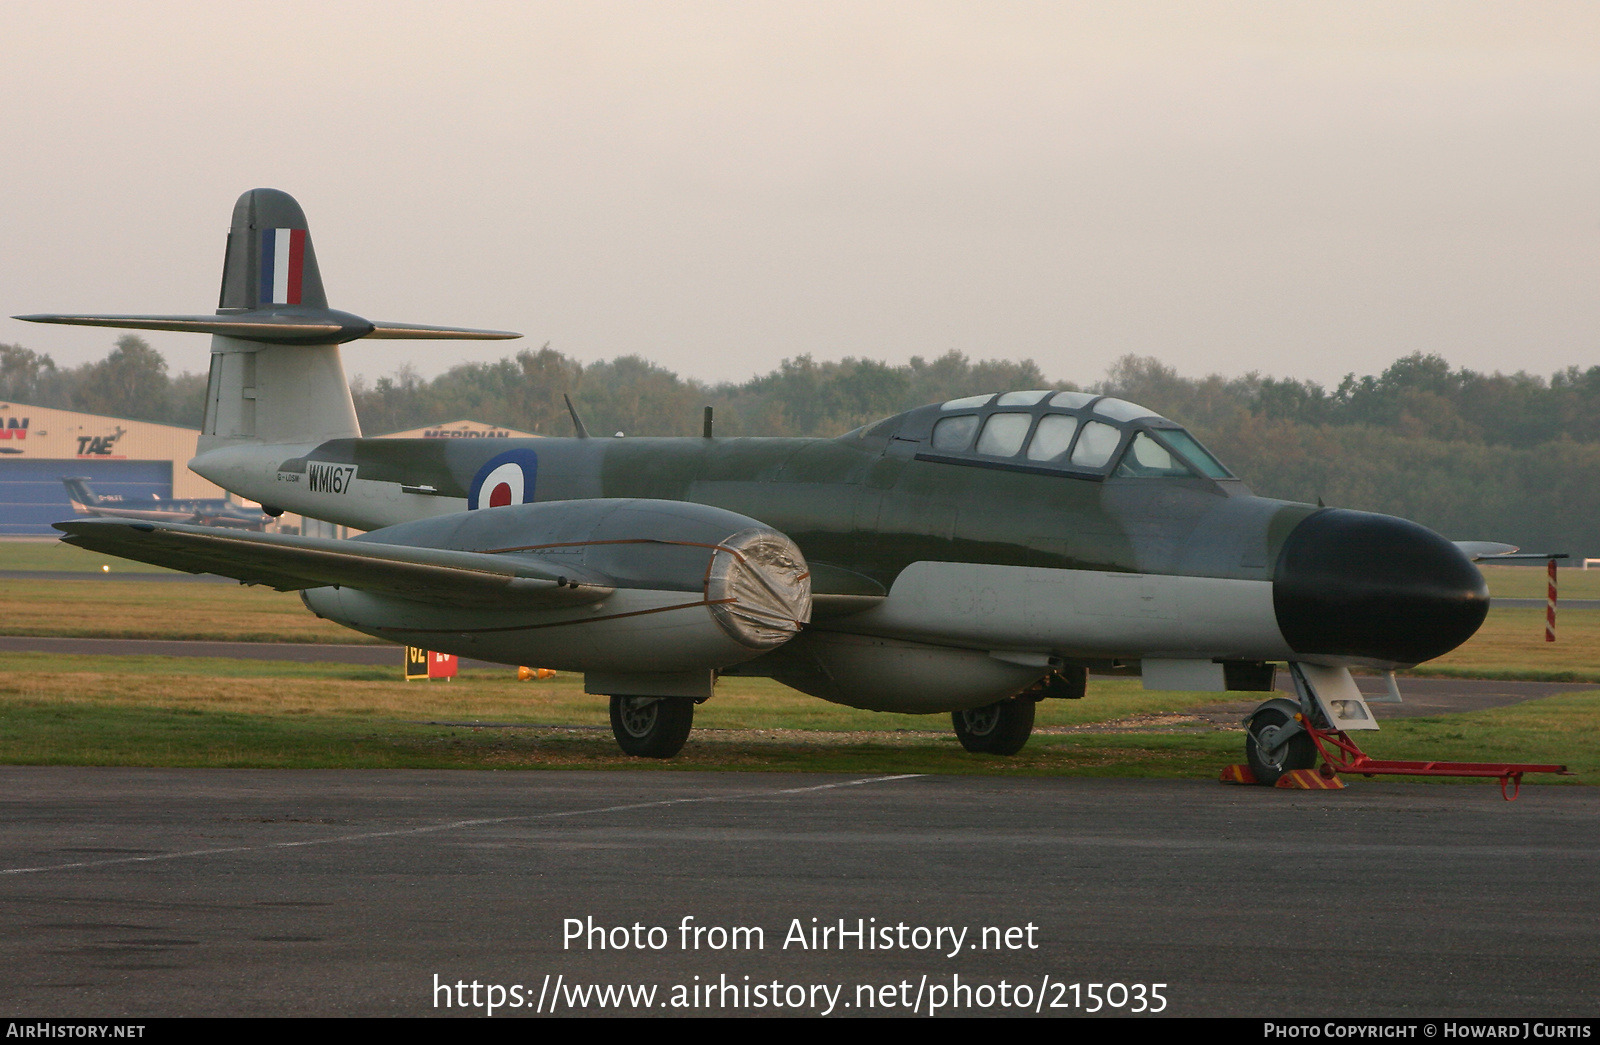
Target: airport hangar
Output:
[(131, 460)]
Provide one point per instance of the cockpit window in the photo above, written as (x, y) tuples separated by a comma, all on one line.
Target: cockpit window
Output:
[(1122, 410), (955, 433), (1003, 434), (1052, 438), (1072, 400), (1096, 443), (1190, 447), (1148, 459), (1021, 398), (1081, 434)]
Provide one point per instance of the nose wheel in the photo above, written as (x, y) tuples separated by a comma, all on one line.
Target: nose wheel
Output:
[(1000, 728), (651, 727), (1275, 743)]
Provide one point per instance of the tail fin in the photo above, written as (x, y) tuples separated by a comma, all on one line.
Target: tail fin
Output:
[(270, 260), (276, 374), (78, 490), (263, 390)]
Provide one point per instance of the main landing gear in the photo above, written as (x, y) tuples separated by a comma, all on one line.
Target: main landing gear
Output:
[(651, 727), (1000, 728)]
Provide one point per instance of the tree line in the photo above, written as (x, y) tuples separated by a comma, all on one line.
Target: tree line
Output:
[(1511, 457), (131, 381)]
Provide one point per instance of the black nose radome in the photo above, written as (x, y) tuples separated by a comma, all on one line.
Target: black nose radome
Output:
[(1354, 584)]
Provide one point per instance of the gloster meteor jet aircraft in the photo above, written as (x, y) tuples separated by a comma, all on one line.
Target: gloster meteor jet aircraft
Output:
[(970, 557)]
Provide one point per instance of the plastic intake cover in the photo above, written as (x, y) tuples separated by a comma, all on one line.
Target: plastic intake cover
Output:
[(759, 588)]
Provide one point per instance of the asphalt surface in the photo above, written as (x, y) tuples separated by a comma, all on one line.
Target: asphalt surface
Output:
[(179, 892), (1437, 696), (1442, 696)]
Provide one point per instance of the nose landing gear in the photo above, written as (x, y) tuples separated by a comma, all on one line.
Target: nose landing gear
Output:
[(1283, 735), (1276, 743)]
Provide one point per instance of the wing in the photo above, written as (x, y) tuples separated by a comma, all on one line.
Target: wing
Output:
[(288, 563)]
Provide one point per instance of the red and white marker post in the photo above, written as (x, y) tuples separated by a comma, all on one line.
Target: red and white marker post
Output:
[(1550, 602)]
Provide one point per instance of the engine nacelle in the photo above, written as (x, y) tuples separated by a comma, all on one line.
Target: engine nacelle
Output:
[(692, 588), (879, 674)]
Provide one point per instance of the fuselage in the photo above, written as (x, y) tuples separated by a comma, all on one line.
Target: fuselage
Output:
[(951, 544)]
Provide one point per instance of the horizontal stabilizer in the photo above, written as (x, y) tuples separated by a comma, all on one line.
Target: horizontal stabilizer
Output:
[(1477, 550), (321, 327), (289, 325), (272, 290), (416, 331), (290, 563)]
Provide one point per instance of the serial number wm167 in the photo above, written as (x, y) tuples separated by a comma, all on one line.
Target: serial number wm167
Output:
[(329, 478)]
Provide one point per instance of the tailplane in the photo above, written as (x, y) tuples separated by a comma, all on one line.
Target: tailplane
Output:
[(276, 374)]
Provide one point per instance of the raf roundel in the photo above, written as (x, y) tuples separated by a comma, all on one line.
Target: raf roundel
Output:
[(507, 478)]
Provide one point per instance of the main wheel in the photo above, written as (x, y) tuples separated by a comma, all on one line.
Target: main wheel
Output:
[(1261, 734), (995, 729), (651, 727)]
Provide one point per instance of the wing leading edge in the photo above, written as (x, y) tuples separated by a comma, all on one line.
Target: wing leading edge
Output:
[(290, 563)]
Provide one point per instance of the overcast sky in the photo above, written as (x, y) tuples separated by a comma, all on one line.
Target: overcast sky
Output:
[(1303, 189)]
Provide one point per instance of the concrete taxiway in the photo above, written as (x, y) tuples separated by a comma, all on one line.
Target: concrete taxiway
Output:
[(169, 892)]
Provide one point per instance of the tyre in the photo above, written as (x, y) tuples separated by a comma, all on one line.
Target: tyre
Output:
[(1260, 733), (995, 729), (651, 727)]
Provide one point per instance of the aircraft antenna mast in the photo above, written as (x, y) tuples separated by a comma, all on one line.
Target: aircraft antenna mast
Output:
[(577, 422)]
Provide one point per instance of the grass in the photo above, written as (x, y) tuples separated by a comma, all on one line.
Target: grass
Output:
[(1528, 582), (160, 711), (1555, 729), (281, 688), (1511, 645), (162, 610), (191, 712), (51, 554)]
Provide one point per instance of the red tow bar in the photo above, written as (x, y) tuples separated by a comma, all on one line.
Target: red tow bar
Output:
[(1346, 757)]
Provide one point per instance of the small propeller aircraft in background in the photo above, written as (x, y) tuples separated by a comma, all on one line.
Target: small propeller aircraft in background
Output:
[(970, 557), (205, 511)]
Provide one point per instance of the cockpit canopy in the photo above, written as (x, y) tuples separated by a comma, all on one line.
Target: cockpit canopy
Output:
[(1074, 433)]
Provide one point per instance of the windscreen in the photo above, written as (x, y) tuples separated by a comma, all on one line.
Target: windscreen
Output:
[(1197, 455)]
